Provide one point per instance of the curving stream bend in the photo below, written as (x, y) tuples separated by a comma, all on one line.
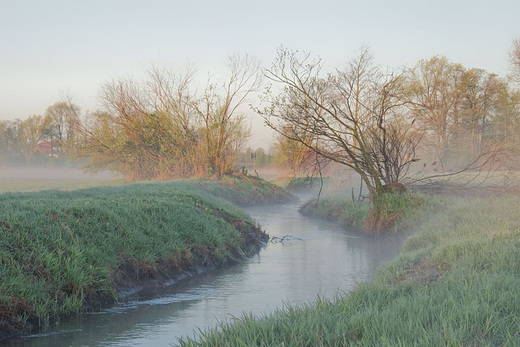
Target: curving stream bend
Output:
[(328, 260)]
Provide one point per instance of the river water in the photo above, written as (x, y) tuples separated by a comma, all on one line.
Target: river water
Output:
[(328, 261)]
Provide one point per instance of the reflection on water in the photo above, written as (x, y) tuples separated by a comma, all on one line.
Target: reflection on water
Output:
[(328, 260)]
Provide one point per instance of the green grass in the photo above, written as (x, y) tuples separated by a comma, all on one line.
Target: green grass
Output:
[(62, 252), (348, 213), (394, 211), (456, 283), (245, 190)]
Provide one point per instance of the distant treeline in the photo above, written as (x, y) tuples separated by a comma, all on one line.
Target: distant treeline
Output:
[(158, 128), (162, 128)]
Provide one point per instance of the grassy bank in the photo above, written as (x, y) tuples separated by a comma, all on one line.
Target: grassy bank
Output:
[(456, 283), (394, 211), (244, 190), (297, 184), (64, 252)]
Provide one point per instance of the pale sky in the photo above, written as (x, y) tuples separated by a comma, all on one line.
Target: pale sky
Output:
[(50, 47)]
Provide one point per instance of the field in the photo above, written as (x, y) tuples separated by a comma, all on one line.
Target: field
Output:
[(25, 179), (456, 283)]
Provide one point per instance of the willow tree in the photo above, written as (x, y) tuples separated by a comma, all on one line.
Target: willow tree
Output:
[(353, 116)]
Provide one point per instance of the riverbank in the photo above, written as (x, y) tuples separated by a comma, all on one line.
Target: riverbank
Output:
[(245, 190), (397, 211), (66, 252), (456, 282)]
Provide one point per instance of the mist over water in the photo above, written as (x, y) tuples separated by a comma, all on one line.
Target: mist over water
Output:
[(329, 260)]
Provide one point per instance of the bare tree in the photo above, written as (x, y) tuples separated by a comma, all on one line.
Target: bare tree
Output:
[(173, 101), (349, 116), (223, 125), (161, 129), (394, 148)]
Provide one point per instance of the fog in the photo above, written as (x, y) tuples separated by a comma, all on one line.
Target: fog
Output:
[(31, 178)]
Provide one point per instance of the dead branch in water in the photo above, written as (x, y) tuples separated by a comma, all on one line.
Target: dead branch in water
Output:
[(275, 239)]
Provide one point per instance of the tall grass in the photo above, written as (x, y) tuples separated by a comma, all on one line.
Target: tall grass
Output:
[(62, 252), (456, 283)]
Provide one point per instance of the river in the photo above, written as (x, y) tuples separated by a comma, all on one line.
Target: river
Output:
[(329, 260)]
